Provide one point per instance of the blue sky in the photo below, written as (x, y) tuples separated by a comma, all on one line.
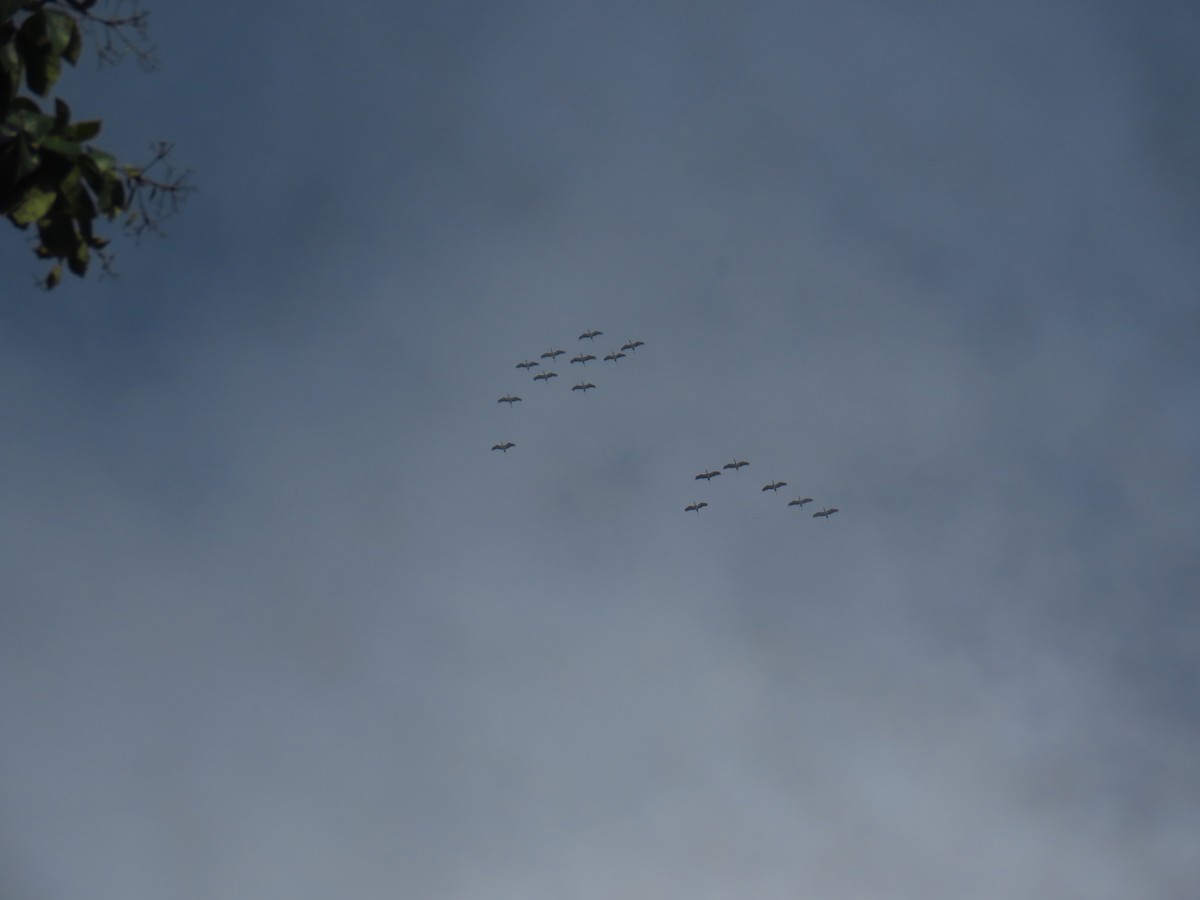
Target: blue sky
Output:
[(276, 621)]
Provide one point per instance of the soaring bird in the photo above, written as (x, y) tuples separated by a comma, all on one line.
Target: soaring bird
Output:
[(825, 513), (591, 334), (510, 399), (633, 345), (503, 446), (707, 476), (735, 465), (614, 356), (774, 485), (545, 376), (552, 354), (695, 507), (582, 358), (800, 501), (527, 364), (584, 386)]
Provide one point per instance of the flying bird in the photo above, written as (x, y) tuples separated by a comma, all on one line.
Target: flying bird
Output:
[(633, 345), (527, 364), (800, 501), (707, 476), (510, 399), (825, 513), (695, 507), (503, 446), (591, 334), (545, 376), (582, 358), (552, 354), (774, 485), (614, 356), (735, 465), (584, 386)]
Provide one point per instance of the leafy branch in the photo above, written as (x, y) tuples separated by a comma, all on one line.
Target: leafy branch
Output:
[(51, 177)]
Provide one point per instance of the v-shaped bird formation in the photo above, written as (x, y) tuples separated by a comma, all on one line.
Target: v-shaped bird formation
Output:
[(581, 359)]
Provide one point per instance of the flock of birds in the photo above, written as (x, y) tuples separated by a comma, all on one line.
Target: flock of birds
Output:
[(582, 359), (736, 465)]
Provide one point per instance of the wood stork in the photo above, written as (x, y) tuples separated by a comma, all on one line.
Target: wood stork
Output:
[(591, 334), (614, 356), (584, 386), (774, 485), (552, 354), (707, 476), (633, 345), (545, 376), (800, 501), (582, 358), (527, 364), (825, 513), (695, 507), (504, 446), (735, 465), (510, 399)]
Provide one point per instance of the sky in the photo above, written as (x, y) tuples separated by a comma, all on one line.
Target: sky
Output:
[(276, 622)]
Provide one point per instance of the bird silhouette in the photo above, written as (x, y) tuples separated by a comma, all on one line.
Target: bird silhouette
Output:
[(527, 364), (825, 513), (695, 507), (582, 358), (503, 446), (633, 345), (591, 334), (774, 485), (545, 376), (707, 476), (510, 399), (552, 354), (584, 386), (735, 465), (800, 501), (614, 356)]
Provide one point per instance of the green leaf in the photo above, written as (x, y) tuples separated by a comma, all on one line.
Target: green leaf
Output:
[(31, 36), (83, 131), (77, 262), (75, 45), (62, 114), (32, 123), (79, 201), (64, 148), (41, 73), (58, 30), (27, 160), (10, 59), (54, 277), (103, 162), (58, 236), (34, 205)]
